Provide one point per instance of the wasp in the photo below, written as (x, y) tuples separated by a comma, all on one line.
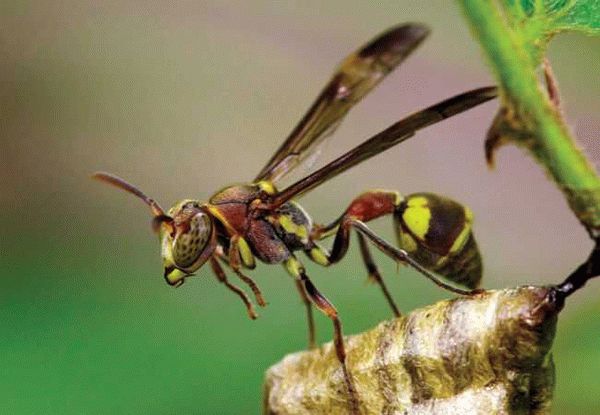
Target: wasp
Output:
[(243, 223)]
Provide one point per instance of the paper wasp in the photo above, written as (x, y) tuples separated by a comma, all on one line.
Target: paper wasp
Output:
[(242, 223)]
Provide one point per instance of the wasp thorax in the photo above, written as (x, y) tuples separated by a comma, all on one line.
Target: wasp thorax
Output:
[(193, 230)]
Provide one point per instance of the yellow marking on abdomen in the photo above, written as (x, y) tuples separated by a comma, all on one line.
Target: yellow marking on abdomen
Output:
[(417, 216), (407, 242), (463, 236)]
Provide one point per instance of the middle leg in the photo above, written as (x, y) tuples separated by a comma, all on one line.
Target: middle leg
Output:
[(312, 341)]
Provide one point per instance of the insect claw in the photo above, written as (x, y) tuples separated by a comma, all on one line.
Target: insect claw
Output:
[(252, 314), (261, 301)]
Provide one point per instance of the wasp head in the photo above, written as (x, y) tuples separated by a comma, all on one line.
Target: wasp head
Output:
[(187, 240), (186, 232)]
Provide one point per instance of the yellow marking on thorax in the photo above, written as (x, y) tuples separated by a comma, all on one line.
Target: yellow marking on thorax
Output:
[(246, 254), (231, 231), (417, 216), (217, 214), (267, 187), (290, 226)]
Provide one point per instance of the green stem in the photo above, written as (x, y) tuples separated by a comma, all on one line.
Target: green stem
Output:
[(553, 146)]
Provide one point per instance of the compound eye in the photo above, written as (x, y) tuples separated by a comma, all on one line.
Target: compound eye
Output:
[(189, 245)]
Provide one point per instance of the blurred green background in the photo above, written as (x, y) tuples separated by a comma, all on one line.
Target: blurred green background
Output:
[(183, 98)]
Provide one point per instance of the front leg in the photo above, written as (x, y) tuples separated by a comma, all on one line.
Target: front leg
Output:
[(222, 277), (239, 252)]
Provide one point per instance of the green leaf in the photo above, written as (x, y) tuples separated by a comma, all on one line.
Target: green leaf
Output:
[(580, 15), (535, 22)]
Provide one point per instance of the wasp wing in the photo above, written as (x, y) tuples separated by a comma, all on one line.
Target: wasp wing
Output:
[(386, 139), (358, 74)]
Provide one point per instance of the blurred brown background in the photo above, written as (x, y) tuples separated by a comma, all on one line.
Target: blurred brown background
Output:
[(182, 98)]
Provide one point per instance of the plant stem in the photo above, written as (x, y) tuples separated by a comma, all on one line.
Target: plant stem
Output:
[(552, 144)]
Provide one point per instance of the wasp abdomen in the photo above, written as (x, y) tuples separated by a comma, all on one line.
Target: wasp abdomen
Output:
[(437, 232), (463, 267)]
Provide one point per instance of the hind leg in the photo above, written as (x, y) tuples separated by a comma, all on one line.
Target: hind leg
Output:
[(296, 269), (368, 206), (377, 203), (374, 274)]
